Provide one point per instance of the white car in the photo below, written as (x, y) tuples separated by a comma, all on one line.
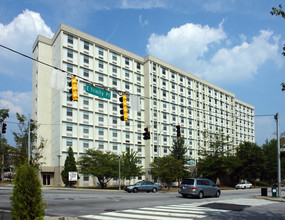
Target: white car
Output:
[(244, 185)]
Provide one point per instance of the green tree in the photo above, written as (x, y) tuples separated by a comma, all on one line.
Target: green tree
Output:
[(104, 166), (4, 113), (69, 166), (178, 150), (26, 199), (277, 12), (22, 139), (250, 161), (168, 168), (215, 154), (129, 165)]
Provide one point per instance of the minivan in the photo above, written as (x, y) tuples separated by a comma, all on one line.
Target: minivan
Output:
[(198, 187)]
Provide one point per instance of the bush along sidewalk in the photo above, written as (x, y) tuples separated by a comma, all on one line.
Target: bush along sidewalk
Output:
[(26, 199)]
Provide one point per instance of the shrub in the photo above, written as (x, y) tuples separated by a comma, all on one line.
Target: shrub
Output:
[(26, 199)]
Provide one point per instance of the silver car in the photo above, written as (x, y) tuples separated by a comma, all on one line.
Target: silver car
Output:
[(143, 186), (199, 188)]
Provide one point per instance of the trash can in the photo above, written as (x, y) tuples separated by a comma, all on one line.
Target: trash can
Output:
[(274, 191), (263, 191)]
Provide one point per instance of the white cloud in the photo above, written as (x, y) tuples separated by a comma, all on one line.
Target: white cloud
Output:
[(16, 101), (139, 4), (204, 51), (23, 31), (142, 21), (20, 35)]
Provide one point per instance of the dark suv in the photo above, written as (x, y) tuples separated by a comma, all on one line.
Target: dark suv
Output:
[(199, 188)]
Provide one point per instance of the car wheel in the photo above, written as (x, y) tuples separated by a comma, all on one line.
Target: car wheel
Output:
[(184, 195), (135, 190), (147, 191), (244, 187), (129, 191), (154, 190), (200, 195), (218, 193)]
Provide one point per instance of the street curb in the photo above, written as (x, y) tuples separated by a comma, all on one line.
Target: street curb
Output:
[(276, 199)]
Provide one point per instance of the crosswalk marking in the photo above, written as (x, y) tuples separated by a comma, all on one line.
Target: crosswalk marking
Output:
[(167, 209), (140, 216), (174, 212)]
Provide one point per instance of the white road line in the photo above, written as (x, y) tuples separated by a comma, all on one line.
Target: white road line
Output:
[(101, 217), (138, 216), (166, 209), (169, 214)]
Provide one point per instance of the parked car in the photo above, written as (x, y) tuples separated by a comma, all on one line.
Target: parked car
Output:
[(198, 187), (143, 186), (244, 185)]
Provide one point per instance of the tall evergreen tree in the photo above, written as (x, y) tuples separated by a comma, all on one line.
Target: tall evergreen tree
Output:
[(26, 199), (179, 150), (69, 166)]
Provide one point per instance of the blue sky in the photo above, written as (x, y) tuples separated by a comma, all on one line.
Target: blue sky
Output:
[(235, 44)]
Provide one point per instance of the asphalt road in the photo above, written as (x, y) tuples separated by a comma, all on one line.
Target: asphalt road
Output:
[(97, 204)]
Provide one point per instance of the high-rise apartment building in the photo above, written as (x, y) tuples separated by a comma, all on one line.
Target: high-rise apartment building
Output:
[(168, 96)]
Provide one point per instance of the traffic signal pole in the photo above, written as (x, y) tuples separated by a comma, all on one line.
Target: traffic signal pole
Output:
[(278, 155)]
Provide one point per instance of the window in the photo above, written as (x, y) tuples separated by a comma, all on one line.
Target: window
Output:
[(154, 67), (127, 74), (101, 64), (138, 66), (115, 133), (69, 112), (114, 69), (100, 51), (69, 53), (163, 71), (85, 101), (154, 78), (114, 82), (85, 143), (101, 144), (101, 118), (70, 39), (101, 131), (86, 45), (172, 75), (127, 85), (115, 121), (139, 78), (68, 127), (115, 107), (85, 177), (127, 61), (114, 57), (164, 93), (164, 82), (85, 72), (100, 77), (86, 115), (85, 129), (85, 59), (101, 104), (69, 142), (69, 68), (115, 147)]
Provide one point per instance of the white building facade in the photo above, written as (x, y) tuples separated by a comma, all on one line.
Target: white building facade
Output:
[(168, 96)]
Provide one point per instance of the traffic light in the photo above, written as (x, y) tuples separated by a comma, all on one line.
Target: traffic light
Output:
[(4, 125), (283, 86), (74, 90), (178, 130), (124, 107), (146, 134)]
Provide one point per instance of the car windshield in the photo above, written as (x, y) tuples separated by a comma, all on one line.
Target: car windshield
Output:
[(188, 181)]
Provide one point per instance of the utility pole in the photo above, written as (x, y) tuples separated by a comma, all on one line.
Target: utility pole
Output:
[(276, 117), (29, 140)]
